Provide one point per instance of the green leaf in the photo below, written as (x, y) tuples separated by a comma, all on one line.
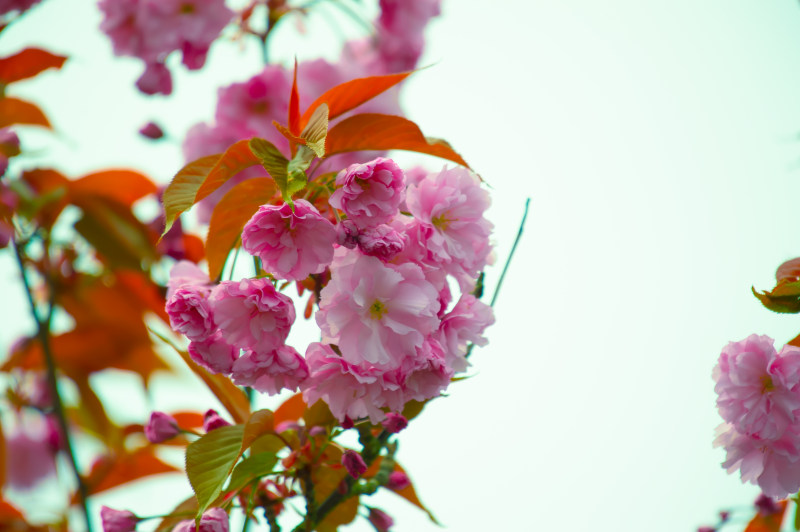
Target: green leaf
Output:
[(252, 468), (180, 193), (210, 460), (316, 131), (297, 172)]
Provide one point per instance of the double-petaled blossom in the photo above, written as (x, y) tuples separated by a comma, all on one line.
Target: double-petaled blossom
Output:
[(272, 371), (212, 520), (214, 353), (376, 313), (292, 243), (251, 314), (190, 312), (370, 193), (161, 427), (186, 273), (758, 389), (381, 241), (118, 520), (449, 227), (464, 324)]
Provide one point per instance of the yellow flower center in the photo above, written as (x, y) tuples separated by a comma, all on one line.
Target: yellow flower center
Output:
[(767, 385), (377, 310), (441, 222)]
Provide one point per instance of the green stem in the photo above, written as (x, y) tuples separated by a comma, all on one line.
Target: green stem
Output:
[(43, 332), (511, 253)]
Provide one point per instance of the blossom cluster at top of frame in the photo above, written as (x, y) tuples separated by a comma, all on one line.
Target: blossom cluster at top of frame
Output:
[(390, 328), (759, 398)]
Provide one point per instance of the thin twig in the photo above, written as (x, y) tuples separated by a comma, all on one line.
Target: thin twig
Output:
[(511, 253), (43, 332)]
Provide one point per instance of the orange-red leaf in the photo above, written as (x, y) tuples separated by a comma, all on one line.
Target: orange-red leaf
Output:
[(410, 494), (2, 457), (351, 94), (27, 64), (14, 111), (292, 409), (372, 131), (188, 420), (236, 158), (180, 194), (123, 186), (788, 271), (294, 107), (109, 472), (229, 217), (769, 522)]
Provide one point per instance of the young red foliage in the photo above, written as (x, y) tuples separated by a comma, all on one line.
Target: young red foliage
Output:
[(767, 523), (28, 63), (372, 131), (111, 471), (123, 186), (14, 111), (236, 158)]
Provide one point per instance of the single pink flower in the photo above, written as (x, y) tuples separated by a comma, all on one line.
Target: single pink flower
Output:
[(117, 520), (380, 519), (370, 193), (190, 312), (351, 391), (270, 372), (464, 324), (381, 241), (156, 79), (292, 244), (161, 427), (449, 225), (214, 353), (253, 104), (213, 520), (212, 420), (354, 463), (398, 481), (251, 314), (758, 389), (773, 465), (376, 313), (394, 422)]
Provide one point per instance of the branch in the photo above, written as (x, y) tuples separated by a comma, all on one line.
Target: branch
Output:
[(511, 253), (43, 333)]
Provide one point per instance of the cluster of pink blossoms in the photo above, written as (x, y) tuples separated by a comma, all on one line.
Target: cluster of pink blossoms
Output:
[(759, 398), (152, 29), (390, 331)]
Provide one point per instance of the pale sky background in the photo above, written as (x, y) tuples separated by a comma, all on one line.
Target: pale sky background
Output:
[(660, 145)]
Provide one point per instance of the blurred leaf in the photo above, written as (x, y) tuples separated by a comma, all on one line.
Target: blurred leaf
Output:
[(9, 513), (50, 188), (141, 290), (2, 457), (232, 398), (236, 158), (351, 94), (93, 415), (784, 298), (209, 461), (183, 511), (410, 494), (319, 414), (230, 214), (180, 194), (118, 237), (413, 408), (292, 409), (385, 132), (788, 271), (112, 471), (344, 513), (19, 112), (767, 523), (188, 420), (251, 468), (122, 186), (28, 63)]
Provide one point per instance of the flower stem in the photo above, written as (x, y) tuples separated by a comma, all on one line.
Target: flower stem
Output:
[(511, 253), (43, 333)]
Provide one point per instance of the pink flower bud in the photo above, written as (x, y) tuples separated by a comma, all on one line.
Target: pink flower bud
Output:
[(151, 131), (117, 520), (213, 520), (380, 519), (156, 79), (706, 529), (766, 505), (353, 462), (347, 423), (394, 422), (347, 234), (381, 241), (161, 427), (398, 480), (212, 420)]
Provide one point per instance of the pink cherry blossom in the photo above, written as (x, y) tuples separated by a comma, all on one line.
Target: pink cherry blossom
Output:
[(190, 312), (398, 480), (350, 391), (758, 389), (186, 274), (152, 131), (401, 27), (16, 5), (212, 420), (464, 324), (251, 314), (369, 193), (381, 241), (774, 465), (117, 520), (448, 209), (375, 312), (426, 375), (380, 520), (214, 354), (156, 79), (29, 455), (252, 105), (292, 244), (161, 427), (347, 234), (394, 422), (270, 372), (353, 463), (213, 520)]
